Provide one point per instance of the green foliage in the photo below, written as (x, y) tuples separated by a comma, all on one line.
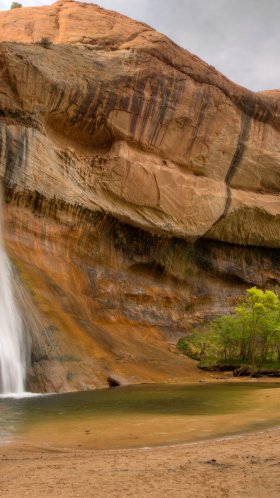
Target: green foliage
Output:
[(182, 344), (16, 5), (260, 314), (198, 346), (250, 336)]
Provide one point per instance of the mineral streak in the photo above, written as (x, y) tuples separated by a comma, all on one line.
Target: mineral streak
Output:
[(141, 188)]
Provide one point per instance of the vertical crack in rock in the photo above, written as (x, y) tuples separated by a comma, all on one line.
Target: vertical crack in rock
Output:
[(238, 154), (57, 20), (240, 149)]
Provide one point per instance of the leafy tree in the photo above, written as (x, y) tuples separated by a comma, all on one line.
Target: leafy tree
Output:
[(260, 317), (199, 345), (227, 333), (250, 335), (16, 5)]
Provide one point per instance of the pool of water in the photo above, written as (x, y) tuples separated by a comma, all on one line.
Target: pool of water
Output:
[(145, 415)]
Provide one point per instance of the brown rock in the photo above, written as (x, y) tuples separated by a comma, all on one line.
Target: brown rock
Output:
[(119, 150)]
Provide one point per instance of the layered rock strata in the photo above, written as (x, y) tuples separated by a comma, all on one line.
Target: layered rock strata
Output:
[(141, 187)]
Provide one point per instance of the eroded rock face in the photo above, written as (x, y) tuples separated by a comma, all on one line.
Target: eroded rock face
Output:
[(142, 190)]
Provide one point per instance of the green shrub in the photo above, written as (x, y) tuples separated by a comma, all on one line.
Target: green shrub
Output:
[(16, 5), (249, 336)]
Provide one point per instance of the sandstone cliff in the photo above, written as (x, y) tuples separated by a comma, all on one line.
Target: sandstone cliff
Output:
[(141, 187)]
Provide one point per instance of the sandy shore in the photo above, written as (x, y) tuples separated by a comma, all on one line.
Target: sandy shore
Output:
[(243, 467)]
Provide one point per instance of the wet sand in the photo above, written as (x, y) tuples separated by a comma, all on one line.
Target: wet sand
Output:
[(242, 467), (139, 416), (246, 466), (166, 416)]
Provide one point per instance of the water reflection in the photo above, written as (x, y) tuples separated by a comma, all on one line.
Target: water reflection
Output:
[(12, 417), (140, 415)]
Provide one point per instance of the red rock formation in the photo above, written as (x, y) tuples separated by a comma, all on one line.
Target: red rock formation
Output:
[(122, 155)]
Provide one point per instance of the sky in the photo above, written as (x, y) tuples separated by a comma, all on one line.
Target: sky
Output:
[(241, 38)]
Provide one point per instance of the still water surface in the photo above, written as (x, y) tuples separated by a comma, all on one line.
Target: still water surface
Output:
[(135, 416)]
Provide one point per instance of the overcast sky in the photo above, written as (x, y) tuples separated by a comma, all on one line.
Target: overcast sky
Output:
[(241, 38)]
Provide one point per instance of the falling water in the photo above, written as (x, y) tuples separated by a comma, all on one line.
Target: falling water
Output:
[(12, 345)]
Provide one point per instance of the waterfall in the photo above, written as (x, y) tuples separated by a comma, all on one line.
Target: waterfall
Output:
[(12, 343)]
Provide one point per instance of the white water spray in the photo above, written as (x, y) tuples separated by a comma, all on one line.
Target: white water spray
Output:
[(12, 343)]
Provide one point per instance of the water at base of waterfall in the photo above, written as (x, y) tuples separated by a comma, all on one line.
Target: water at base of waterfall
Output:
[(12, 343)]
